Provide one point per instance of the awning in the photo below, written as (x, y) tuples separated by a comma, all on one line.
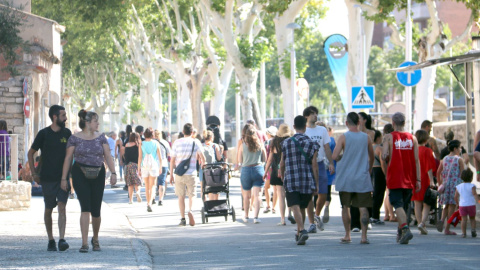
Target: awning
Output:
[(471, 56)]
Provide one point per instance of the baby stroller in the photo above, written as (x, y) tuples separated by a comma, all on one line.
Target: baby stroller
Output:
[(216, 180)]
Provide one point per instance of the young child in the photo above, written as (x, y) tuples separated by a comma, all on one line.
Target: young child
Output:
[(466, 197)]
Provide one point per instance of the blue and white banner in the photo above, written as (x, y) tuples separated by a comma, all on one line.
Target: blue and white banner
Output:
[(335, 46)]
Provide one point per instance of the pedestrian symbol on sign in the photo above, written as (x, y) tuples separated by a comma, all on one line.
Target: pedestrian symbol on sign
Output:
[(363, 97)]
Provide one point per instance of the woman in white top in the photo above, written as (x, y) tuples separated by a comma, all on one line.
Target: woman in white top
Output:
[(150, 162)]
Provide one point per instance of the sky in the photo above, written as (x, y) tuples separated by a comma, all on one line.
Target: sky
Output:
[(337, 17)]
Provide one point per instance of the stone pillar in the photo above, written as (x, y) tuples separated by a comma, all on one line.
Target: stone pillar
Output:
[(15, 196)]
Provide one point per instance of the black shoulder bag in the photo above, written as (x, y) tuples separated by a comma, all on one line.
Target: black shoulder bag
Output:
[(183, 166), (309, 161)]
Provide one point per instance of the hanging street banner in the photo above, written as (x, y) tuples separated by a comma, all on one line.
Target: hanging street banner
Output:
[(363, 97), (337, 56)]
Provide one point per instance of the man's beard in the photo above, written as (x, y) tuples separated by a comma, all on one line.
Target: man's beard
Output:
[(60, 123)]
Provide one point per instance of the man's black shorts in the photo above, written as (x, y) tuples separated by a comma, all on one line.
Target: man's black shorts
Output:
[(52, 193), (297, 198), (400, 197)]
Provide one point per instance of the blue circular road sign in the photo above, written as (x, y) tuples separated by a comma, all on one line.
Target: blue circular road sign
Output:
[(409, 78)]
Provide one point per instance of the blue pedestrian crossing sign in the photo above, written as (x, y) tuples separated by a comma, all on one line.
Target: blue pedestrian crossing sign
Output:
[(411, 77), (363, 97)]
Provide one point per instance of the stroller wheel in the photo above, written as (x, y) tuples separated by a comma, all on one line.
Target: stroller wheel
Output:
[(233, 215), (203, 216)]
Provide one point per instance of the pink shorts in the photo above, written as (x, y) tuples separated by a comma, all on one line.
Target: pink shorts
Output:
[(470, 211)]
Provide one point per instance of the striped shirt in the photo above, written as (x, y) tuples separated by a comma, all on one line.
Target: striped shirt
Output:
[(181, 150), (298, 173)]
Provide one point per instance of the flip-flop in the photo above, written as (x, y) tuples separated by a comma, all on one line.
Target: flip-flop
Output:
[(366, 242), (345, 241), (450, 233)]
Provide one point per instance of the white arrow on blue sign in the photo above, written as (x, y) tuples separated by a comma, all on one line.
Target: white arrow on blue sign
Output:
[(409, 78)]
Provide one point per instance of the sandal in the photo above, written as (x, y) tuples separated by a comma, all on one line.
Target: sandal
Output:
[(450, 233), (266, 210), (464, 235), (282, 224), (273, 210), (345, 241), (96, 245), (366, 242), (84, 249)]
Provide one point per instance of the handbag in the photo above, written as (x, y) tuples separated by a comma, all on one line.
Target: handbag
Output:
[(215, 177), (90, 172), (184, 165), (430, 197)]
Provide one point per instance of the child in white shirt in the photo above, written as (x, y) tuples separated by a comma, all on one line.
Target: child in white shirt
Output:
[(466, 198)]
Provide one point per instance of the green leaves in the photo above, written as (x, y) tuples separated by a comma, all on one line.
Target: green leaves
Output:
[(254, 54), (11, 23)]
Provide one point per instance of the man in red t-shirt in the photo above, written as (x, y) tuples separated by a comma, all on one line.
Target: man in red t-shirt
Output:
[(400, 152)]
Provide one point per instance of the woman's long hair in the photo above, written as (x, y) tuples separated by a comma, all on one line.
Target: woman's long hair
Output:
[(135, 137), (249, 136)]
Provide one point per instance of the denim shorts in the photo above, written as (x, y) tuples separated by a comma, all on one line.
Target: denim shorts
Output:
[(161, 178), (252, 177)]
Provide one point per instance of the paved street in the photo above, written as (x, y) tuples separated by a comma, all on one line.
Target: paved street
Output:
[(235, 245)]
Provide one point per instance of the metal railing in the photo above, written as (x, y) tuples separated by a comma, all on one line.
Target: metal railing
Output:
[(9, 157)]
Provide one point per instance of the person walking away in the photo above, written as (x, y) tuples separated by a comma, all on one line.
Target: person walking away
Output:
[(448, 175), (379, 181), (365, 125), (330, 176), (318, 134), (353, 180), (52, 141), (90, 149), (270, 134), (299, 170), (466, 197), (4, 149), (427, 166), (400, 151), (432, 142), (252, 154), (213, 154), (118, 150), (150, 161), (273, 165), (389, 213), (131, 153), (165, 153), (128, 131), (185, 152), (111, 139)]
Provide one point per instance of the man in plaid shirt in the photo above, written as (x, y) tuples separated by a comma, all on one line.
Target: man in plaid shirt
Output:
[(300, 174)]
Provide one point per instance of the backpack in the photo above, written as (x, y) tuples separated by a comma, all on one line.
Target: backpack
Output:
[(149, 162)]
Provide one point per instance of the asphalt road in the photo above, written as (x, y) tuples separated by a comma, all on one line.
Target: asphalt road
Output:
[(221, 244)]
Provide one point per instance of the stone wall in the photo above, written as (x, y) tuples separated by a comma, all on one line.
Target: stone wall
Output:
[(11, 110), (15, 196)]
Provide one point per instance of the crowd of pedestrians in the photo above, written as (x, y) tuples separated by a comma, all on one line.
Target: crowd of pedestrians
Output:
[(369, 169)]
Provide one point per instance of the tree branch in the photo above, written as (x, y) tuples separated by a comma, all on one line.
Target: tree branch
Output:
[(462, 36), (396, 37)]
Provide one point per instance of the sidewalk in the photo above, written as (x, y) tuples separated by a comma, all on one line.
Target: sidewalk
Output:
[(24, 241)]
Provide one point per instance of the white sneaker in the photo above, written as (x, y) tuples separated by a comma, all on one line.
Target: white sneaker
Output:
[(369, 227), (256, 220), (319, 222), (245, 219)]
